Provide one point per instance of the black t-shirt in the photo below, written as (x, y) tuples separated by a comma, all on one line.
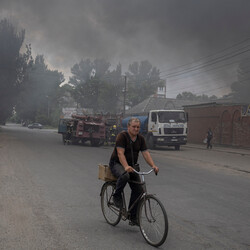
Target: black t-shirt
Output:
[(123, 140)]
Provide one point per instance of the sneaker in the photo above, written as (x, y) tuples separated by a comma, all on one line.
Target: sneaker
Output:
[(118, 201), (134, 222)]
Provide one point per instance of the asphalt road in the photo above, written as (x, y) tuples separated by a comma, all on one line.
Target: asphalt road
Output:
[(49, 196)]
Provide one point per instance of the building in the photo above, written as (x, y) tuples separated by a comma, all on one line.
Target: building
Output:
[(156, 102), (230, 123)]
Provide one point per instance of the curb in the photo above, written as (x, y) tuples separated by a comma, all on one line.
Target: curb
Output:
[(230, 150)]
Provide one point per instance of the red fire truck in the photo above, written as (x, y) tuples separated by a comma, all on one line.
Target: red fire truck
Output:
[(83, 128)]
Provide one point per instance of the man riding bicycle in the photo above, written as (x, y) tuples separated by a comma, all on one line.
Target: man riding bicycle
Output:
[(123, 161)]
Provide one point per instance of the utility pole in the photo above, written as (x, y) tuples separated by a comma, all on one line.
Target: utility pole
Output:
[(166, 87), (124, 95), (48, 104)]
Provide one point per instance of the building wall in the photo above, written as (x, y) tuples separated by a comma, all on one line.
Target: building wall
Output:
[(227, 123)]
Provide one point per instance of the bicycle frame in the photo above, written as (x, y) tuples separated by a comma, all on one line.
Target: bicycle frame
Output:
[(126, 211)]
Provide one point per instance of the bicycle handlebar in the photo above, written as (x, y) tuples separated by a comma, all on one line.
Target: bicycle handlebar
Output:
[(144, 173)]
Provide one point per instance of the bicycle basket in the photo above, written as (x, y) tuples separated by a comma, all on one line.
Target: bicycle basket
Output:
[(105, 173)]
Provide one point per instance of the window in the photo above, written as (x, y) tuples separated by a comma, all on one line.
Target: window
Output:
[(153, 117), (172, 116)]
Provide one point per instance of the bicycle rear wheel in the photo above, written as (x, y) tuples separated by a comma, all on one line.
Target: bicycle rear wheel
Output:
[(153, 220), (111, 213)]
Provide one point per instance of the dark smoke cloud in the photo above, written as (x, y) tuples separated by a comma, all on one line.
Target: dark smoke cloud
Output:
[(168, 33)]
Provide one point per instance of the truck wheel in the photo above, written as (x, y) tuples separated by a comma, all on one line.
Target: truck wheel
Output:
[(63, 138), (74, 140), (95, 142), (177, 147), (150, 142)]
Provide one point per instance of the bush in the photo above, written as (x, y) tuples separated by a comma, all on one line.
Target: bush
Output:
[(44, 120)]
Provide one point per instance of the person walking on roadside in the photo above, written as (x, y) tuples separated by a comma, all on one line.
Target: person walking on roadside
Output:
[(209, 138)]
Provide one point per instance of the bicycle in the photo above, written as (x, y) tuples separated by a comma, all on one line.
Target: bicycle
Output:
[(151, 214)]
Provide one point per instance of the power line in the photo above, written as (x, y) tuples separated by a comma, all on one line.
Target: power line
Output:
[(210, 90), (200, 68), (205, 65), (205, 79), (199, 74), (214, 54)]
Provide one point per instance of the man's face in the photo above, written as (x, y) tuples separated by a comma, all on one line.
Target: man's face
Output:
[(134, 128)]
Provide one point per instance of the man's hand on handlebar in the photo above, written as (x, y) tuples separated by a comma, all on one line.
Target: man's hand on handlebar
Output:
[(156, 169), (129, 169)]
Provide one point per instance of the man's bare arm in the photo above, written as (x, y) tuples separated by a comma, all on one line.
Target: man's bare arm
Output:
[(150, 161), (123, 161)]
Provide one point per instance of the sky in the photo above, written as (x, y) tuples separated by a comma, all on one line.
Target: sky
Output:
[(196, 44)]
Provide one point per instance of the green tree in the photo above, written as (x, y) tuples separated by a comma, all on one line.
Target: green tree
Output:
[(193, 97), (241, 88), (111, 94), (95, 86), (11, 67), (40, 95), (143, 80), (186, 96)]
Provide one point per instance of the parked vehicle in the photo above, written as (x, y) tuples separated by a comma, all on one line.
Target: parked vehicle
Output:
[(35, 125), (163, 128), (84, 128)]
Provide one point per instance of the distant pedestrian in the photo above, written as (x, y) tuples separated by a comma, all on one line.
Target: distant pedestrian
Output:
[(209, 138), (69, 131)]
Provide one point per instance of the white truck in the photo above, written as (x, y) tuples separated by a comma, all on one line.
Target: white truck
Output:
[(163, 128)]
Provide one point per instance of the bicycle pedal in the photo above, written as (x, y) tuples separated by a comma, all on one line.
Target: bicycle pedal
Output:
[(124, 216)]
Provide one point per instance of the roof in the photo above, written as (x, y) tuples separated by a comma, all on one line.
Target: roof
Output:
[(155, 103), (217, 103)]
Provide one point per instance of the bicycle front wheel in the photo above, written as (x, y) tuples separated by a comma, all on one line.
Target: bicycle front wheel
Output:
[(153, 220), (111, 213)]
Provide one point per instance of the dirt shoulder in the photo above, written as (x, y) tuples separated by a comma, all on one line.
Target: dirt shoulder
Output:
[(24, 222)]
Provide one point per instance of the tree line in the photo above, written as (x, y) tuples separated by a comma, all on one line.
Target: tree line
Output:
[(30, 91), (26, 84)]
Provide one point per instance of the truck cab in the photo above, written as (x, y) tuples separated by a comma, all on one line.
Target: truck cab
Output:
[(167, 128)]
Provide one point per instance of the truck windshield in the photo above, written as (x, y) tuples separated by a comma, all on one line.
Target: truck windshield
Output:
[(171, 116)]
